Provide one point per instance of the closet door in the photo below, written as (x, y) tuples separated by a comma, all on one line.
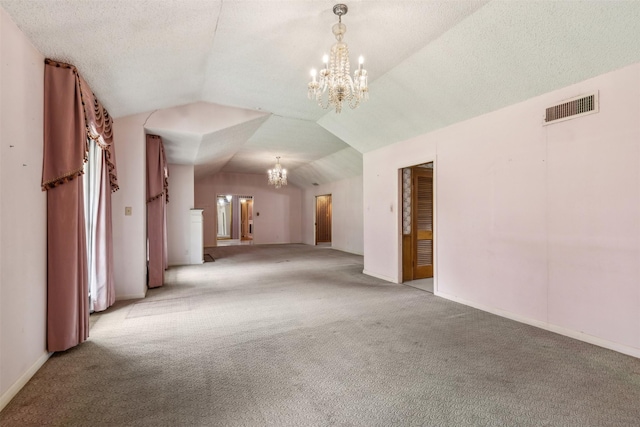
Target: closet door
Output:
[(323, 219), (422, 222)]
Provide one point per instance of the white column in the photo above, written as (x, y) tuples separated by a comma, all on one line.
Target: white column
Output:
[(197, 246)]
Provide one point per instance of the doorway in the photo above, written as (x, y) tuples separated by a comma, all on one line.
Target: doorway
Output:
[(323, 219), (224, 217), (417, 224), (246, 219), (234, 222)]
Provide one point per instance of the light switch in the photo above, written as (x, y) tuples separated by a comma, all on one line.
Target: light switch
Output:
[(127, 210)]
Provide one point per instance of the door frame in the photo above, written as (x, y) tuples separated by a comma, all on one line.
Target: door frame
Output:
[(244, 219), (415, 232), (229, 219), (435, 221), (235, 215)]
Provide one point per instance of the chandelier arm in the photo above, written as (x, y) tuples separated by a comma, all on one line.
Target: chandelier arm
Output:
[(319, 98), (351, 85)]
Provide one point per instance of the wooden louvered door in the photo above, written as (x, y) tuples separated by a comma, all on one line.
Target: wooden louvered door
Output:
[(323, 219), (422, 222), (244, 220)]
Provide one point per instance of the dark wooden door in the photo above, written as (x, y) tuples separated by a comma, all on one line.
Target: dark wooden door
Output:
[(323, 219)]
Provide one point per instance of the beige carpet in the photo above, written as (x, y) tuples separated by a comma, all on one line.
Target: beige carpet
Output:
[(293, 335)]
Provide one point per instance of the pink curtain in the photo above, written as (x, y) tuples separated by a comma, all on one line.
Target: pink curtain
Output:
[(67, 285), (70, 117), (101, 281), (157, 199)]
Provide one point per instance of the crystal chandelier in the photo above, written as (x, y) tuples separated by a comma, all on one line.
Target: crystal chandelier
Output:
[(334, 78), (277, 175)]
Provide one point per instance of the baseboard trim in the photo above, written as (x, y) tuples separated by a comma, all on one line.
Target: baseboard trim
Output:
[(580, 336), (22, 381), (379, 276), (130, 296)]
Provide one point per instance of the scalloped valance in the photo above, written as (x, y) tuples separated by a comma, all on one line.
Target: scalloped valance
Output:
[(72, 115)]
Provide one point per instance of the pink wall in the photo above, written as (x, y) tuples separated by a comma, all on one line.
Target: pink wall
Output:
[(346, 204), (279, 219), (537, 223), (130, 232), (181, 196), (23, 262), (381, 198)]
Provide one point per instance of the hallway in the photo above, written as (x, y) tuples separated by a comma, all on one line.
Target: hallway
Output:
[(288, 335)]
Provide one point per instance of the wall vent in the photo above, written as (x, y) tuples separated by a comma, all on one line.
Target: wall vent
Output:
[(572, 108)]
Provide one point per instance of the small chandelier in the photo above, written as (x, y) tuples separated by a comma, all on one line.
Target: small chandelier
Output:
[(277, 175), (334, 78)]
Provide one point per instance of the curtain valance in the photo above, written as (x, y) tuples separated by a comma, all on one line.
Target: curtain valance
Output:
[(72, 114)]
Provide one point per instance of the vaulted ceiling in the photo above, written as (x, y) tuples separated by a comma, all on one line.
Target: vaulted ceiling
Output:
[(224, 82)]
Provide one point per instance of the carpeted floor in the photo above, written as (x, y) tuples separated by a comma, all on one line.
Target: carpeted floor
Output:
[(293, 335)]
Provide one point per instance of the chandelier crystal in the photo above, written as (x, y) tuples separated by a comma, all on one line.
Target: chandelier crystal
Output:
[(334, 79), (277, 175)]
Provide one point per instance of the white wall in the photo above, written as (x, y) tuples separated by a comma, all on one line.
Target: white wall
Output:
[(276, 212), (23, 262), (130, 232), (181, 196), (346, 214), (540, 224)]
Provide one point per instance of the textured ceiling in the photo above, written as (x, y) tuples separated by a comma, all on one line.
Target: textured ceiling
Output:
[(226, 80), (507, 52)]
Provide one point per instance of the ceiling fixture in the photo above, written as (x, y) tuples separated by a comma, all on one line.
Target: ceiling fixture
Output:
[(221, 199), (277, 175), (334, 78)]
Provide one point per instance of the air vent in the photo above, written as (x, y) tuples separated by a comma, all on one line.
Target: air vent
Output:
[(572, 108)]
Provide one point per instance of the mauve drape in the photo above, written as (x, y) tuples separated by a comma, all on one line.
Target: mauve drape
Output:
[(65, 145), (71, 115), (157, 198), (65, 135), (67, 285)]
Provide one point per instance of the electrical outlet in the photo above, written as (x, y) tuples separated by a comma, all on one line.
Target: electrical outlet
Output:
[(127, 210)]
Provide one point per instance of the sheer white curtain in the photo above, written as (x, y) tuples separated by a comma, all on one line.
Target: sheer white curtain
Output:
[(92, 174), (97, 196)]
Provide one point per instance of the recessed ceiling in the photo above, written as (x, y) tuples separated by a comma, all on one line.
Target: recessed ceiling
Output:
[(226, 81)]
